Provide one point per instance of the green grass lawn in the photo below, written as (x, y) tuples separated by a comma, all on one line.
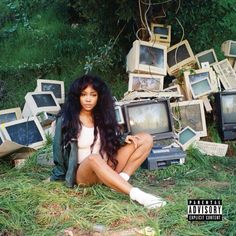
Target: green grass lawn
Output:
[(29, 205)]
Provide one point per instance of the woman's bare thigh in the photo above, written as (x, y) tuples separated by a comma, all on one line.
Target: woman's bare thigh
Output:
[(125, 152), (85, 175)]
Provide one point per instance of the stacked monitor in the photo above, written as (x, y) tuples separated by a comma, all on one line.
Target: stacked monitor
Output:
[(55, 86), (229, 48), (147, 57), (225, 113), (27, 132), (8, 115), (206, 56), (178, 56), (36, 102), (150, 116), (161, 34)]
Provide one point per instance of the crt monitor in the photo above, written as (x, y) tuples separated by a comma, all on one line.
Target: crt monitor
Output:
[(147, 57), (27, 132), (206, 56), (179, 56), (56, 86), (11, 114), (225, 111), (150, 116), (161, 33), (229, 48), (36, 102)]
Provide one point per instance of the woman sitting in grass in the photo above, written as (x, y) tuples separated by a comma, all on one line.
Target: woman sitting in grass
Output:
[(87, 146)]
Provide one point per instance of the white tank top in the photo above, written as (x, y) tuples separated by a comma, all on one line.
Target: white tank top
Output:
[(85, 140)]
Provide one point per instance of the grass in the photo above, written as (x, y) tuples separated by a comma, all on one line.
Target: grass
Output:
[(31, 206)]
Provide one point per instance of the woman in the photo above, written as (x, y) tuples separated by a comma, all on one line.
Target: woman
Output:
[(87, 146)]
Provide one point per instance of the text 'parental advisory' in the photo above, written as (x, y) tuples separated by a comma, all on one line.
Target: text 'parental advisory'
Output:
[(204, 210)]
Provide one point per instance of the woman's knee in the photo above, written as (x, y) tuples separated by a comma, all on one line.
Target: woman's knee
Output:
[(146, 140), (94, 159)]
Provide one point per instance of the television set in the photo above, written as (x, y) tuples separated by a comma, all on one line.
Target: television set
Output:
[(36, 102), (229, 48), (145, 82), (27, 132), (147, 57), (226, 74), (190, 113), (55, 86), (150, 116), (11, 114), (161, 33), (186, 137), (225, 114), (206, 56), (198, 82), (179, 56)]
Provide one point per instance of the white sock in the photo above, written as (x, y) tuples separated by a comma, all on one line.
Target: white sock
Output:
[(124, 176), (148, 200)]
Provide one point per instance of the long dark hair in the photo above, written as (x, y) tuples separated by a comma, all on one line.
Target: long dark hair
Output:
[(103, 115)]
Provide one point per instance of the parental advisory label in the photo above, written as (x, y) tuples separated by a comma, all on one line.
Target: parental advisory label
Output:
[(204, 210)]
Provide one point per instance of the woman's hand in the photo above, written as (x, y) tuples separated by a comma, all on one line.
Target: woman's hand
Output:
[(132, 138)]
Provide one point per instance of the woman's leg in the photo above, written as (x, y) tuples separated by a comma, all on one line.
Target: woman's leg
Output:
[(95, 170), (130, 158)]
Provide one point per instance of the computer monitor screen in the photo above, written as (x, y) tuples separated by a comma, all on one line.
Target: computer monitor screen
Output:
[(145, 82), (7, 117), (232, 50), (27, 132), (160, 30), (10, 115), (208, 57), (151, 56), (152, 116), (229, 108), (44, 100), (192, 114), (225, 114), (177, 55), (55, 86)]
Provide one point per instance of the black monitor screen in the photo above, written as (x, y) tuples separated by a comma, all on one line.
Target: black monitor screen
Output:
[(152, 118), (44, 100), (229, 108), (175, 58), (233, 48), (208, 57), (151, 56), (7, 117), (55, 88), (24, 133), (160, 30)]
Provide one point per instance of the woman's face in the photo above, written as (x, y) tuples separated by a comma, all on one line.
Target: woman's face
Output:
[(88, 98)]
